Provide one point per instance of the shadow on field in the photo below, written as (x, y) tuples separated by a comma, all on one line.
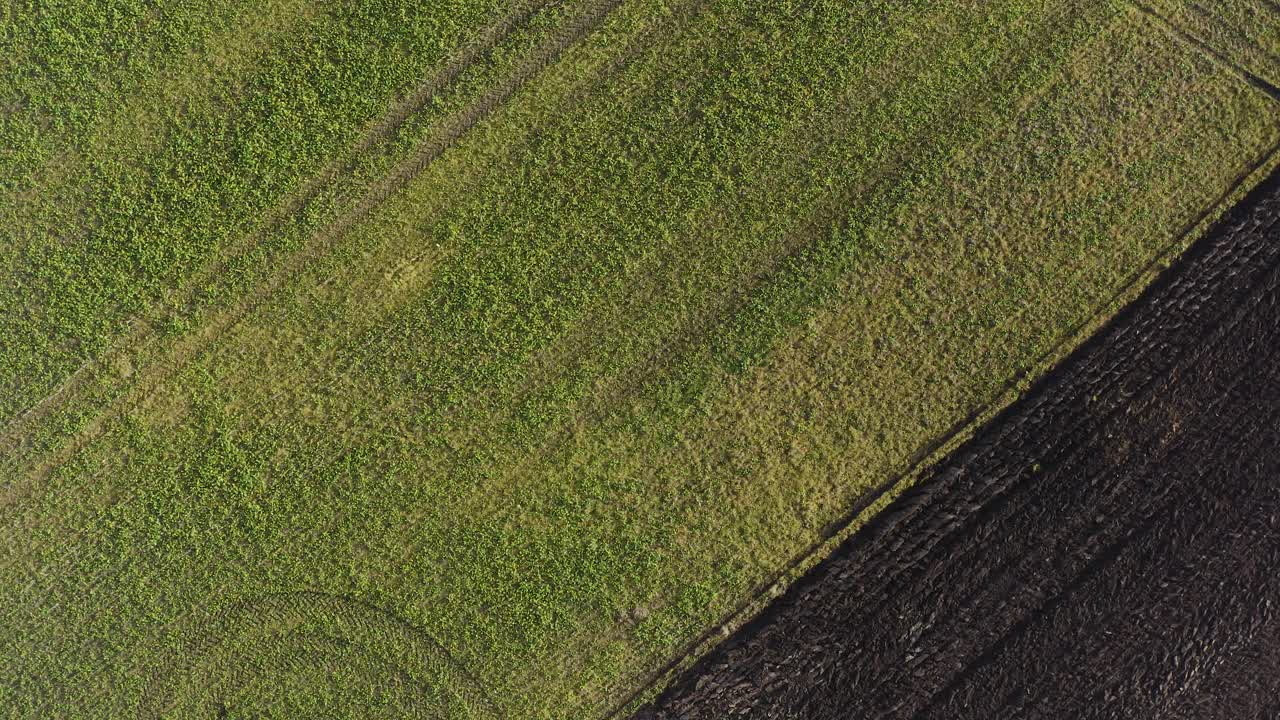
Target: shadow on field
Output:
[(1109, 546)]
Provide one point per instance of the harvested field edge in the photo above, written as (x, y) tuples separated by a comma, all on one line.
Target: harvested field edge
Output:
[(756, 607), (1214, 299), (1209, 51)]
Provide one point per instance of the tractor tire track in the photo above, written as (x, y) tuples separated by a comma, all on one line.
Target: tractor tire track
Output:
[(614, 65), (431, 149), (142, 333)]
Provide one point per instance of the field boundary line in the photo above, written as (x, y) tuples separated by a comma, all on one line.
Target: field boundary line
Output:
[(834, 532), (695, 329), (932, 452), (1231, 260), (1021, 102), (1212, 53), (1189, 357), (1231, 314), (887, 168), (140, 331)]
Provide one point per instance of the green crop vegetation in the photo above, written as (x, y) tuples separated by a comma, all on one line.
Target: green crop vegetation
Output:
[(474, 359), (1242, 32)]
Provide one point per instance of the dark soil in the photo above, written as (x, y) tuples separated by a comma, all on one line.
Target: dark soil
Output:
[(1108, 547)]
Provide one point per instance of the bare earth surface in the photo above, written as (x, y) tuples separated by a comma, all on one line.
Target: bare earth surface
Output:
[(1106, 548)]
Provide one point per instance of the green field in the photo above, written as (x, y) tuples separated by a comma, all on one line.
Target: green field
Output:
[(488, 360)]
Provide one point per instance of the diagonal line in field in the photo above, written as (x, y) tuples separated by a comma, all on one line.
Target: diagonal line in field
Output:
[(453, 130), (1224, 25), (598, 15), (928, 453), (698, 326), (139, 332), (1211, 52)]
